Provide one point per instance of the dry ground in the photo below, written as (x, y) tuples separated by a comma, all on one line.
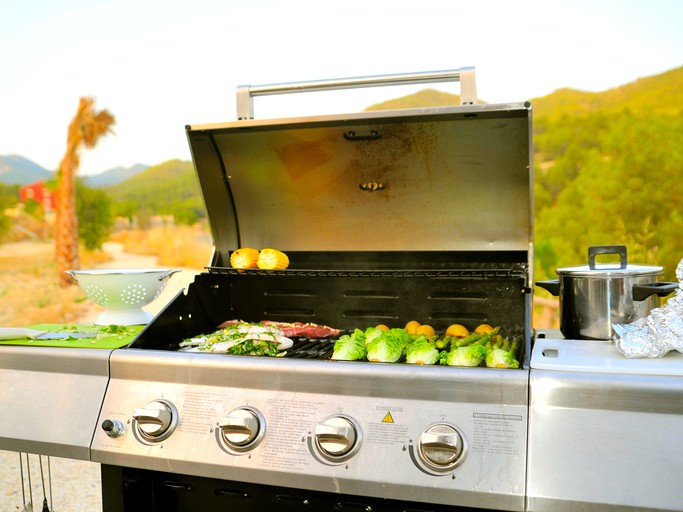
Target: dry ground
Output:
[(30, 294)]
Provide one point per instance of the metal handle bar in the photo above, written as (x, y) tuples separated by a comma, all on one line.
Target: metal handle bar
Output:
[(468, 88)]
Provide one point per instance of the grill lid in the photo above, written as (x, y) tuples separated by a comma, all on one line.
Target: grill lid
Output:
[(431, 179)]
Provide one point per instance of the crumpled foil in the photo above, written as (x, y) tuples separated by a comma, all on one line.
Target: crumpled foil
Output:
[(659, 333)]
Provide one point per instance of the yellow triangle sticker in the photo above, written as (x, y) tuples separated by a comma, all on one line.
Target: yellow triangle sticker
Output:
[(388, 418)]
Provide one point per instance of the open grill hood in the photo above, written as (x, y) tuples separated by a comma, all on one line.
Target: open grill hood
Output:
[(437, 179)]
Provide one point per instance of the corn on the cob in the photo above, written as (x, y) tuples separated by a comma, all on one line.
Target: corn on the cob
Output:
[(272, 259), (245, 257)]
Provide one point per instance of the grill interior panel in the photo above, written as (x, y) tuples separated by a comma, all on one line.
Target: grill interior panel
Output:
[(461, 292)]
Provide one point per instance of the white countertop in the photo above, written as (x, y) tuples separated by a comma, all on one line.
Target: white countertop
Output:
[(558, 354)]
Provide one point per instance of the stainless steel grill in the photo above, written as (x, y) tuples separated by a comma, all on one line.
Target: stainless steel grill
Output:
[(386, 217)]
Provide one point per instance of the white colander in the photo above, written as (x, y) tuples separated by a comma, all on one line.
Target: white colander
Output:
[(122, 292)]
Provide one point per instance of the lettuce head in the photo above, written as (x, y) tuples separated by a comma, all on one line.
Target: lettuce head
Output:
[(471, 355), (350, 347)]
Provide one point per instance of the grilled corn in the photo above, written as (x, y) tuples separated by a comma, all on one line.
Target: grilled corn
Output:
[(245, 257), (272, 259)]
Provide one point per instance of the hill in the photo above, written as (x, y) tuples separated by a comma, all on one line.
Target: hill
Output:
[(17, 170), (113, 176), (170, 188), (659, 94), (424, 98)]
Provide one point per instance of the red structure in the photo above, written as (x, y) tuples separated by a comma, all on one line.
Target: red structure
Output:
[(39, 192)]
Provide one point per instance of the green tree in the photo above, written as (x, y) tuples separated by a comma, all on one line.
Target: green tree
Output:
[(9, 197), (620, 181), (95, 216)]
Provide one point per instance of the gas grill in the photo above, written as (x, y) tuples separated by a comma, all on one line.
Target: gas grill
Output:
[(416, 214), (387, 217)]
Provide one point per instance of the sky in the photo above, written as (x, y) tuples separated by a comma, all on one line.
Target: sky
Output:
[(159, 65)]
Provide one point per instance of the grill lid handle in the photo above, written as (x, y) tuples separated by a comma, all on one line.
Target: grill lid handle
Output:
[(468, 87)]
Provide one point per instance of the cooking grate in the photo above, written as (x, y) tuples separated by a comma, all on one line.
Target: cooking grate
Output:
[(411, 274), (312, 348)]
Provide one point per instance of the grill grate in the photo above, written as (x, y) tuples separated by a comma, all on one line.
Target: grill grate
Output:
[(410, 274), (312, 348)]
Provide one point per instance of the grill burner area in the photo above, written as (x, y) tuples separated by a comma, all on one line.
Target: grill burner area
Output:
[(350, 291)]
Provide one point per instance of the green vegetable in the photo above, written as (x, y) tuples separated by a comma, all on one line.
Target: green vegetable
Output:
[(499, 358), (471, 355), (469, 340), (443, 343), (389, 347), (350, 347), (421, 351), (371, 333)]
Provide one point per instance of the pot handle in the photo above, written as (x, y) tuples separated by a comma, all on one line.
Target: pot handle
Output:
[(553, 286), (594, 250), (661, 288)]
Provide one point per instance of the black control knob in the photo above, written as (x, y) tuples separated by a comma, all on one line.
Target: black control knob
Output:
[(113, 428)]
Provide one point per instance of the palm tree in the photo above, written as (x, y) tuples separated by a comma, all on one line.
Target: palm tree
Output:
[(85, 129)]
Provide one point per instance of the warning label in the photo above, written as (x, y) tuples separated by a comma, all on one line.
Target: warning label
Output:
[(388, 418)]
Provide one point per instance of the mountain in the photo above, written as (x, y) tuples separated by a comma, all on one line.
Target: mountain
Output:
[(17, 170), (658, 94), (113, 176), (425, 98), (170, 188)]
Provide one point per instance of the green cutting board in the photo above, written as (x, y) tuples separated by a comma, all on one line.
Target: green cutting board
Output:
[(108, 337)]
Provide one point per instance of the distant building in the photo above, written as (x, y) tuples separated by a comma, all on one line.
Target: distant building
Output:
[(39, 192)]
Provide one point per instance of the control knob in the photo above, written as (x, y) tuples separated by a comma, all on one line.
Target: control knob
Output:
[(242, 429), (441, 447), (155, 421), (113, 428), (338, 437)]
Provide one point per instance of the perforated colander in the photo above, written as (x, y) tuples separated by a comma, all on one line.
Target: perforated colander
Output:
[(122, 292)]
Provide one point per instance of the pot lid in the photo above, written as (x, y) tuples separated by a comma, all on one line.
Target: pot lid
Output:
[(607, 270), (610, 270)]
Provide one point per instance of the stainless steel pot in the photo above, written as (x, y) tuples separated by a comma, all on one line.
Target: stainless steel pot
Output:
[(593, 297)]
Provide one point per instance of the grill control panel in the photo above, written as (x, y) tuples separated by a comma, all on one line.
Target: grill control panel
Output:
[(394, 442)]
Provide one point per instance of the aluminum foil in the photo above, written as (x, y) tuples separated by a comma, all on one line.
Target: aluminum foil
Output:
[(659, 333)]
